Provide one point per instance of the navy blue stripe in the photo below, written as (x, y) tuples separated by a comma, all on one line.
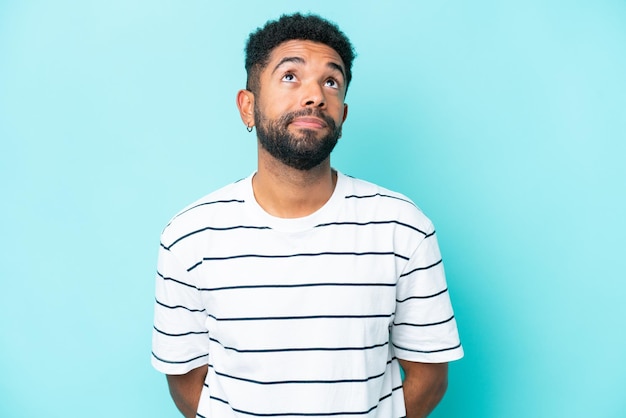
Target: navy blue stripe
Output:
[(176, 281), (424, 297), (297, 349), (285, 382), (177, 306), (428, 351), (374, 223), (425, 325), (233, 257), (274, 318), (214, 228), (300, 381), (385, 397), (299, 414), (177, 362), (211, 366), (422, 268), (279, 286), (391, 394), (208, 203), (378, 195), (180, 335)]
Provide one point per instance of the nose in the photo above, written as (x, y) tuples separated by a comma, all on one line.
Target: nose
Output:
[(313, 96)]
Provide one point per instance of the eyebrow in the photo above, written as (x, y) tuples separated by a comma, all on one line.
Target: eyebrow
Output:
[(295, 60), (299, 60), (337, 67)]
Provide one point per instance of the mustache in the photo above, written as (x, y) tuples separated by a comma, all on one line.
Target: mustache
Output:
[(289, 117)]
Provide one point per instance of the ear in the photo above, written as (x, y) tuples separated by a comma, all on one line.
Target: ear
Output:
[(345, 112), (245, 104)]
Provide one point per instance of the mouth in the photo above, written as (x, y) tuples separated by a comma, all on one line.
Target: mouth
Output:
[(309, 122)]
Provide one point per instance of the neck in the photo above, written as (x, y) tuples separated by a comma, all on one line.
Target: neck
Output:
[(285, 192)]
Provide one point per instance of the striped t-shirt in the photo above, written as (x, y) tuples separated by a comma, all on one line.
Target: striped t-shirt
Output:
[(301, 317)]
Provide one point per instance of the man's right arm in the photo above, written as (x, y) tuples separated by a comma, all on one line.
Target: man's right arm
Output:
[(186, 389)]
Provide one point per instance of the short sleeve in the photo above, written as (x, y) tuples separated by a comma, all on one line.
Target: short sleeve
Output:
[(424, 328), (180, 337)]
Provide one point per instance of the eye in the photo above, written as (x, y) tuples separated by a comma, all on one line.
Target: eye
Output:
[(289, 77), (331, 82)]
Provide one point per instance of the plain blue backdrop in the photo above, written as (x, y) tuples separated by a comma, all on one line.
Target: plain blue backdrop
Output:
[(504, 121)]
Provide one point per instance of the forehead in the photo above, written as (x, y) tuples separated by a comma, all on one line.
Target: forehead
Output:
[(309, 51)]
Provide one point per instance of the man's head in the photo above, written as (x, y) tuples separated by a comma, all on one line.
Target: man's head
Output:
[(299, 68), (313, 28)]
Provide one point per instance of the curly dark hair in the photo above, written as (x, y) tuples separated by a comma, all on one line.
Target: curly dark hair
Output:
[(308, 27)]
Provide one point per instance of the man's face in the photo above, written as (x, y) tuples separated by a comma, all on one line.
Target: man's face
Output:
[(299, 108)]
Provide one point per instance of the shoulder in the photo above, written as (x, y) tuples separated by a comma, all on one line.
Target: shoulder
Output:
[(223, 204), (372, 200)]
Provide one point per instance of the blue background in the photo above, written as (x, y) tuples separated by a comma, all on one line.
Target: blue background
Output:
[(504, 121)]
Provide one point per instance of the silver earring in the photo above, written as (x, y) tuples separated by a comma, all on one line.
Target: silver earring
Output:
[(248, 128)]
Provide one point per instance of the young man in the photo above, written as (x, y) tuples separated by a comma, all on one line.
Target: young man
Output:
[(299, 291)]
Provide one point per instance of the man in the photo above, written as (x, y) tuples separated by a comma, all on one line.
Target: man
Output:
[(299, 291)]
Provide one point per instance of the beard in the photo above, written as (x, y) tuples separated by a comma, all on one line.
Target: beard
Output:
[(302, 151)]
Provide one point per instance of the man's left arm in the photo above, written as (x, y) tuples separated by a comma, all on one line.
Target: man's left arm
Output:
[(424, 386)]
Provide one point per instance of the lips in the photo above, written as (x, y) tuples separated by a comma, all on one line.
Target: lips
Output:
[(308, 122)]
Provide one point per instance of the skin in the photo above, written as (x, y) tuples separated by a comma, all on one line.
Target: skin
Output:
[(186, 389), (304, 74), (424, 386)]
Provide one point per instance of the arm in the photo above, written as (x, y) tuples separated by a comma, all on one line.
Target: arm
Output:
[(424, 386), (186, 388)]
